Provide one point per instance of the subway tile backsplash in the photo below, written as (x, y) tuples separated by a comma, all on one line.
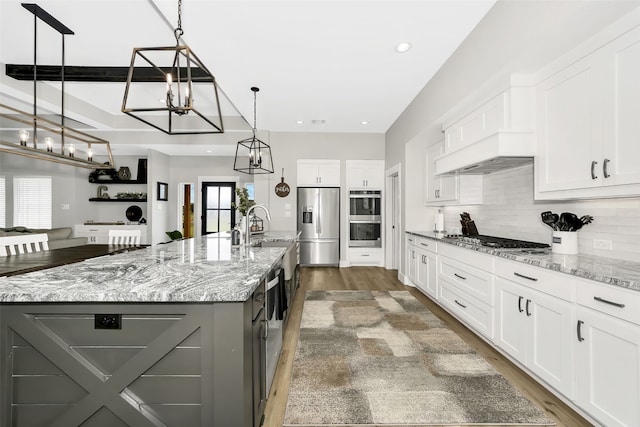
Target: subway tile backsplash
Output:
[(510, 211)]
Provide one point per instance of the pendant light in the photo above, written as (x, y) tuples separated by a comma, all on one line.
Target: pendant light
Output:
[(36, 137), (185, 93), (253, 156)]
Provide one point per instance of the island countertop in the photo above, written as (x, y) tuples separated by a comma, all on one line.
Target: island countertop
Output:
[(202, 269)]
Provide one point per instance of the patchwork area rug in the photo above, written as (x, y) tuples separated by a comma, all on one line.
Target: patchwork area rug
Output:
[(377, 358)]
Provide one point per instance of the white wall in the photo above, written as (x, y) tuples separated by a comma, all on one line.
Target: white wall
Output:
[(514, 37)]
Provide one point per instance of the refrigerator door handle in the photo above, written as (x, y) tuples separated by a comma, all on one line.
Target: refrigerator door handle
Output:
[(318, 218)]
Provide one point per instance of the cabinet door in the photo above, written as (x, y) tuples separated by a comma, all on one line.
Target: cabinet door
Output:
[(426, 273), (412, 263), (438, 188), (550, 349), (307, 174), (621, 150), (329, 174), (570, 128), (608, 355), (357, 176), (511, 319)]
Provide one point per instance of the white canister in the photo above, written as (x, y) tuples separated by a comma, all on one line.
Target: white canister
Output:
[(565, 242)]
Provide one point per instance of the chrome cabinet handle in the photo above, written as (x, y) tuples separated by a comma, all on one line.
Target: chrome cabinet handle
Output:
[(593, 170), (533, 279), (459, 276), (520, 310), (580, 322), (424, 244), (527, 308), (616, 304), (604, 168), (459, 303)]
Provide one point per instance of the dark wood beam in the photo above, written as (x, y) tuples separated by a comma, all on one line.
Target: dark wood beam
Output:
[(74, 73)]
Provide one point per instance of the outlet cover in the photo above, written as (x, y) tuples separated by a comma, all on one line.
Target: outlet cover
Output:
[(606, 245)]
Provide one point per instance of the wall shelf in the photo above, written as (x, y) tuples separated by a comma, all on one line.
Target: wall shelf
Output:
[(96, 199), (114, 181)]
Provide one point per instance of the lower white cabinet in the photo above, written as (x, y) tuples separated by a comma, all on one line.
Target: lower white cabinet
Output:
[(535, 329), (99, 234), (607, 343), (365, 256), (421, 264)]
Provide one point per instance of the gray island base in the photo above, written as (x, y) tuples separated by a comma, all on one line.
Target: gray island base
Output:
[(172, 335)]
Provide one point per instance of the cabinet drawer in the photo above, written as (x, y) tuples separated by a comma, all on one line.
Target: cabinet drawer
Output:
[(560, 285), (426, 244), (365, 255), (610, 299), (476, 259), (476, 282), (477, 314)]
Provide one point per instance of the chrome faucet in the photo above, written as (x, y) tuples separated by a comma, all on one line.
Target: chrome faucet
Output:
[(247, 235)]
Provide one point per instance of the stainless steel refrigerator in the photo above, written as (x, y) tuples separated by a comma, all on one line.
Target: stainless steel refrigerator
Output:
[(319, 224)]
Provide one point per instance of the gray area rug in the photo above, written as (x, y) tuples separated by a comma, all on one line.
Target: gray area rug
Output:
[(382, 358)]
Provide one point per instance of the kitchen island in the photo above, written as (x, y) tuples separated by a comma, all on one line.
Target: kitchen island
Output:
[(168, 335)]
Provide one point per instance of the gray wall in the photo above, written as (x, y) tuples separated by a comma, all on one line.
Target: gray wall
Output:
[(514, 37)]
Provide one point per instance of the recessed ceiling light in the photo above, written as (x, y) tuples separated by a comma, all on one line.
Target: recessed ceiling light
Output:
[(318, 121), (299, 122), (209, 151), (403, 47), (364, 122)]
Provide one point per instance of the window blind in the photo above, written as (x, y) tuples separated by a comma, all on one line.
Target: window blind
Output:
[(32, 201)]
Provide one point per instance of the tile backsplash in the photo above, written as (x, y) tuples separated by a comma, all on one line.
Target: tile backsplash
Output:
[(509, 210)]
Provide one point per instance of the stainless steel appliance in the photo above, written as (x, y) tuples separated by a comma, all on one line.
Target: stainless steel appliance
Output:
[(365, 219), (319, 224), (498, 242), (364, 205)]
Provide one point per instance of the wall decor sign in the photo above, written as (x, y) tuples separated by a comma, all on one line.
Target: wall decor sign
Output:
[(162, 190), (282, 188)]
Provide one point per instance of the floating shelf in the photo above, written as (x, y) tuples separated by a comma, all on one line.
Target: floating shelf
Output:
[(113, 181), (96, 199)]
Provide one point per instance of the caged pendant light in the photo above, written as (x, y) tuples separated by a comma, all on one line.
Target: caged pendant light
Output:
[(257, 151), (182, 96)]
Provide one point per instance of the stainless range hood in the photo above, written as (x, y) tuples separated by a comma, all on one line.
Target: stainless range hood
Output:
[(499, 151)]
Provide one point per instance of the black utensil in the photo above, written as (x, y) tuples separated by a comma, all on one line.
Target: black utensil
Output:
[(547, 218), (584, 220)]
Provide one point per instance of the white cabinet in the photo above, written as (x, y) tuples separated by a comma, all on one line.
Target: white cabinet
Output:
[(368, 174), (99, 234), (607, 342), (588, 124), (318, 173), (365, 256), (465, 282), (449, 189), (421, 264), (533, 326)]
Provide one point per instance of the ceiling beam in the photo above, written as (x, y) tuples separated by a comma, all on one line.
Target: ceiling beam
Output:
[(75, 73)]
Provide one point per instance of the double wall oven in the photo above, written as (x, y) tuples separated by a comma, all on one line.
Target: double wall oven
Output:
[(365, 218)]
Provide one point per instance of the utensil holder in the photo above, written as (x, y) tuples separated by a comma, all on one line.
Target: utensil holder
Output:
[(565, 242)]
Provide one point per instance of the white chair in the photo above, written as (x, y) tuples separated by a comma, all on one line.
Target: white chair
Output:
[(13, 245), (124, 237)]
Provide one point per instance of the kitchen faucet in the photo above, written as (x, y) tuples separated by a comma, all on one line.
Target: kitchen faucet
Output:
[(247, 235)]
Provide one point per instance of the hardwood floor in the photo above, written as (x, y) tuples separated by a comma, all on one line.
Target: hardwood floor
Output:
[(375, 278)]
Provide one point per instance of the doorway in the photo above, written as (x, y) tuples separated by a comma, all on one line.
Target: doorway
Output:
[(393, 211), (186, 213), (218, 213)]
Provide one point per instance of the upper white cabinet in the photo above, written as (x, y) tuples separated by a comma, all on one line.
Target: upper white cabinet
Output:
[(449, 189), (588, 124), (366, 174), (318, 173)]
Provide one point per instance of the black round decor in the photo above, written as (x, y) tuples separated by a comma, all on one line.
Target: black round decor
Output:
[(134, 213)]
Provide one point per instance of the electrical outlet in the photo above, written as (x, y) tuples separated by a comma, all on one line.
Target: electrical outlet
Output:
[(605, 245), (107, 321)]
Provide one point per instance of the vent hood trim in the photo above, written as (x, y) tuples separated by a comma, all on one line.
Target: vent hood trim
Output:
[(499, 151)]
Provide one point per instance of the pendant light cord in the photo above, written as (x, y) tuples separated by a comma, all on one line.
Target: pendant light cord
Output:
[(178, 31), (255, 93)]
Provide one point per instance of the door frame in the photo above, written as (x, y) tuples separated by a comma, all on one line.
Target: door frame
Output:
[(393, 199), (198, 192)]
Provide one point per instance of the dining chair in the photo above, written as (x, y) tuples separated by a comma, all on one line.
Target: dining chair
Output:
[(14, 245), (124, 237)]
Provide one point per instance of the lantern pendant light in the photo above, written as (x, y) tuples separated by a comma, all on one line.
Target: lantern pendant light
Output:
[(178, 82), (253, 156)]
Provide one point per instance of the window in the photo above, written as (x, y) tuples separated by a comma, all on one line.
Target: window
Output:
[(32, 201), (218, 213), (3, 204), (250, 189)]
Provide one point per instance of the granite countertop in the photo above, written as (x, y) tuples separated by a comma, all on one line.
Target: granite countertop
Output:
[(202, 269), (625, 274)]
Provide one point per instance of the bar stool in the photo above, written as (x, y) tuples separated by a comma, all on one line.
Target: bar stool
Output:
[(14, 245), (124, 237)]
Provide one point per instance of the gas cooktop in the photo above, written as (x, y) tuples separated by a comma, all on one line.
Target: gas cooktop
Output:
[(497, 242)]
